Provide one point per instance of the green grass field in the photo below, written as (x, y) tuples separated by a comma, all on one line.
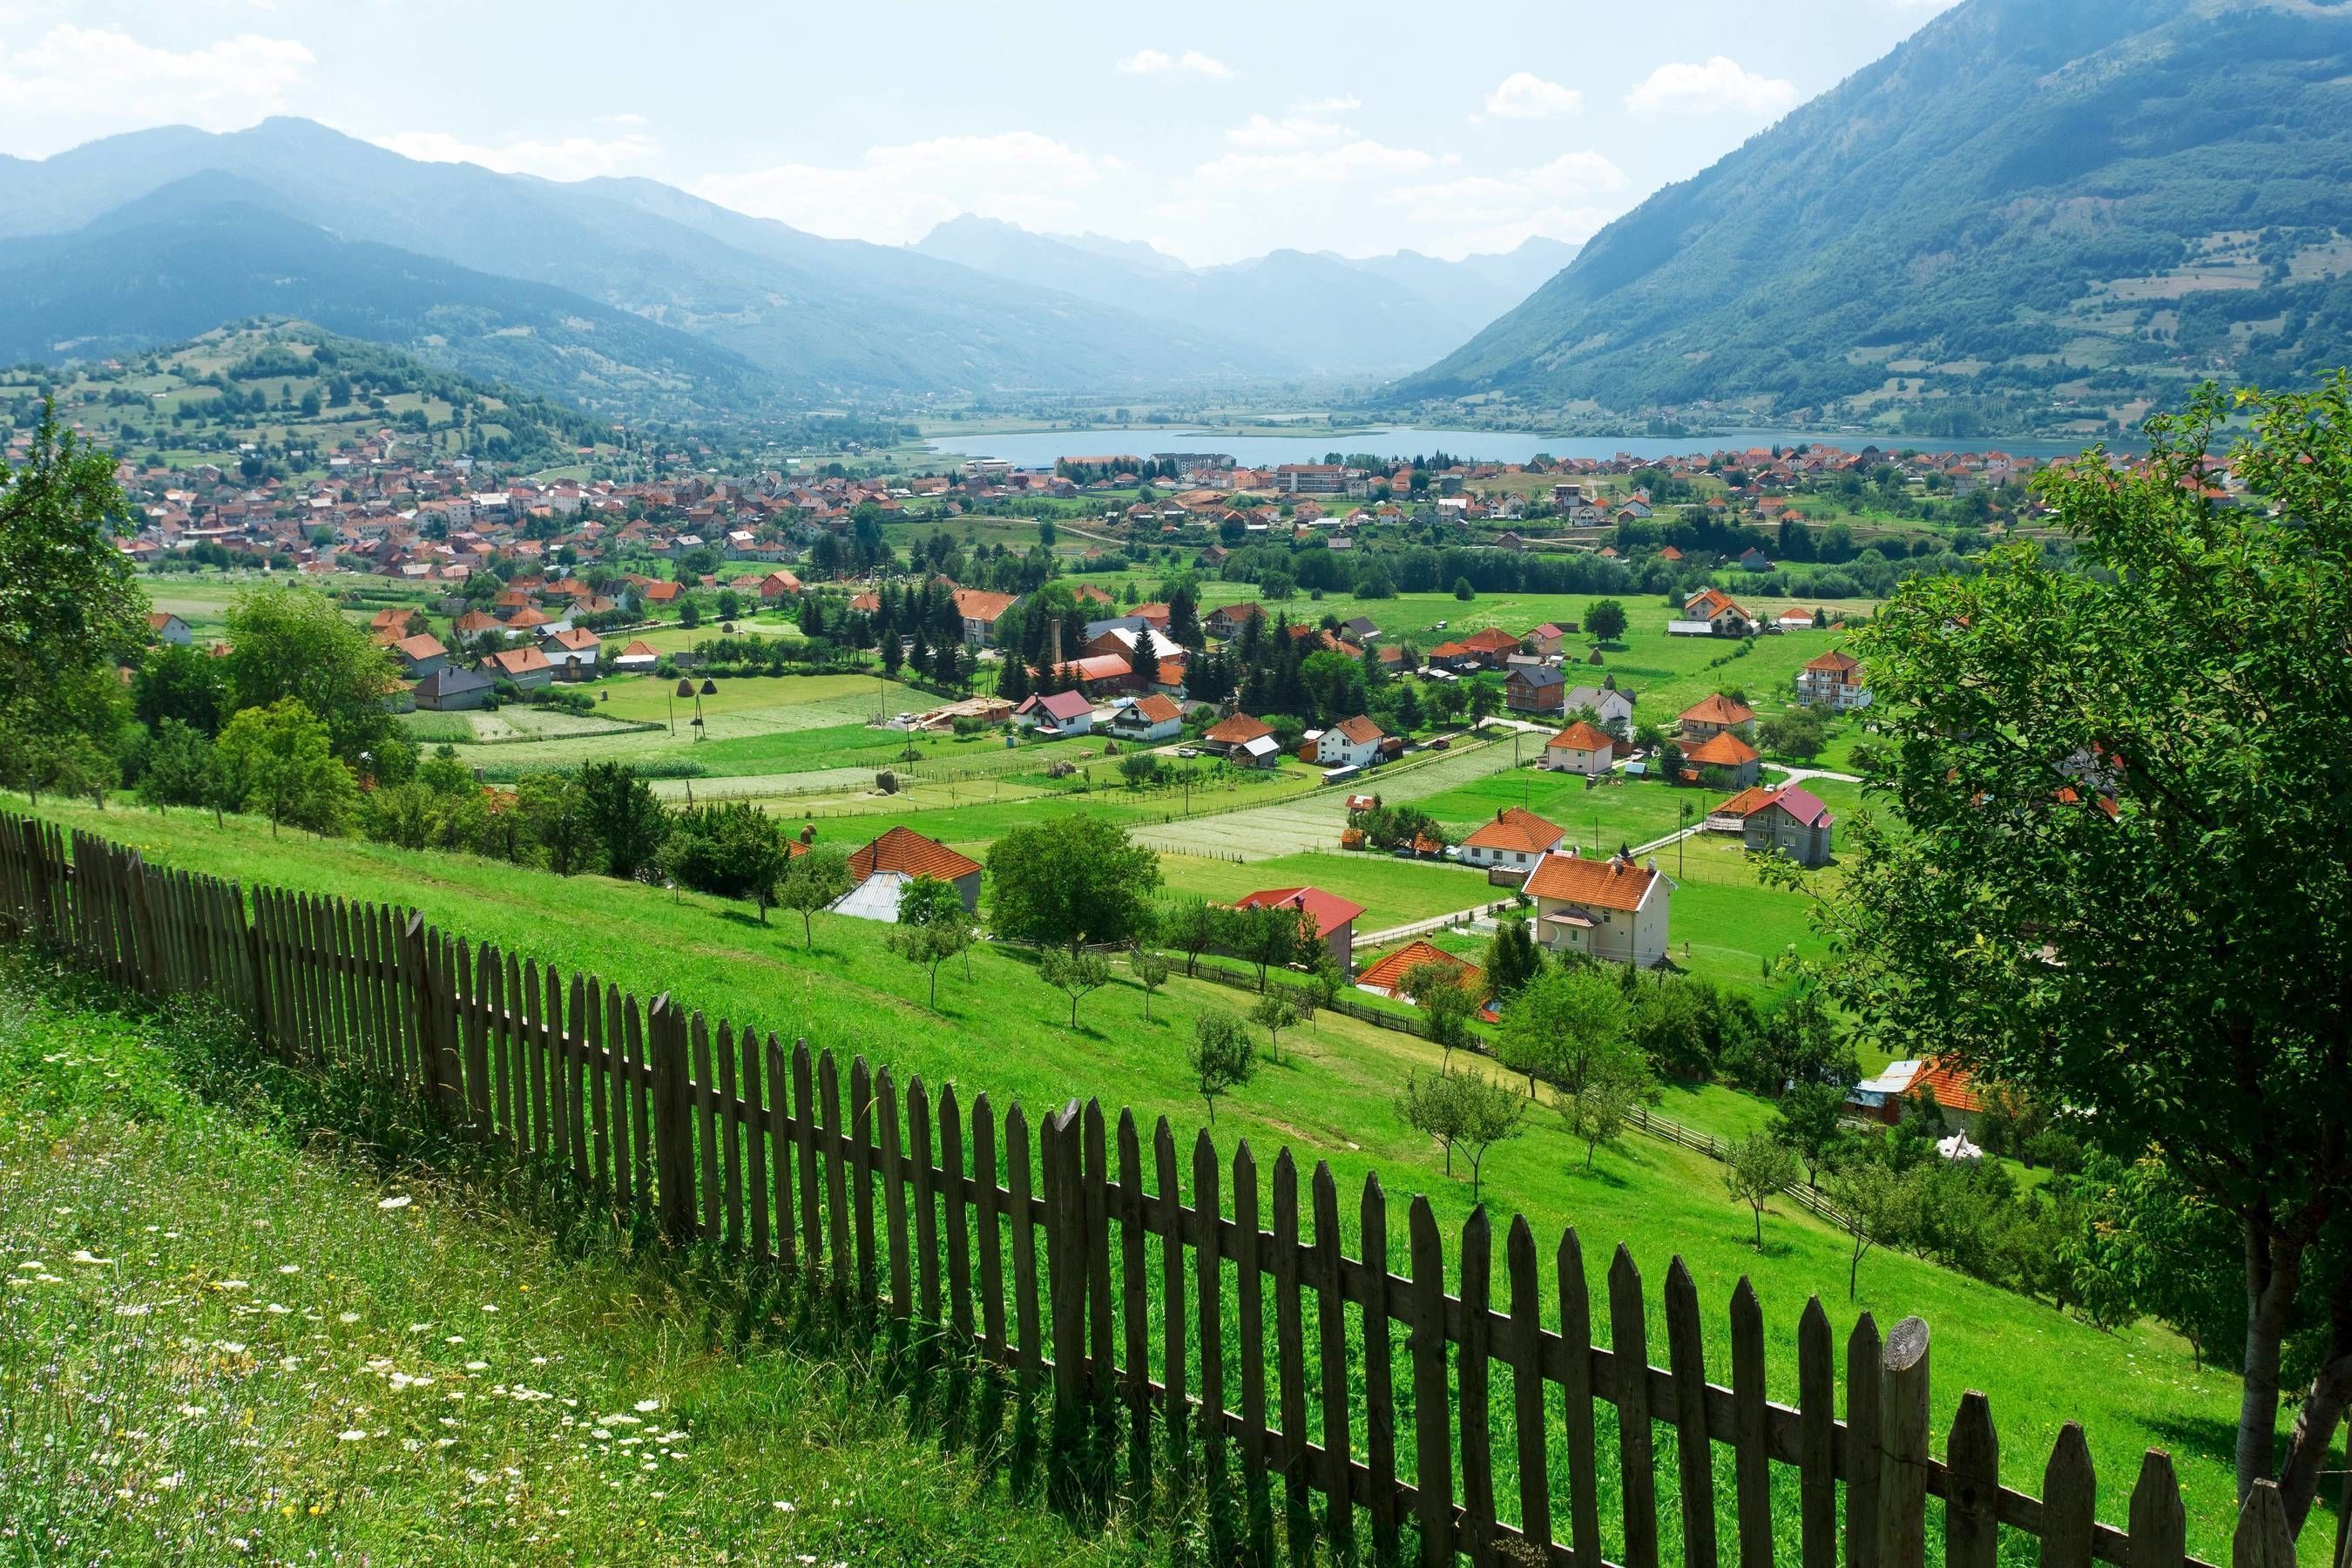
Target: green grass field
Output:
[(1332, 1096), (227, 1333)]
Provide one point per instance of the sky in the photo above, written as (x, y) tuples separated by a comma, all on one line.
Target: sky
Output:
[(1215, 131)]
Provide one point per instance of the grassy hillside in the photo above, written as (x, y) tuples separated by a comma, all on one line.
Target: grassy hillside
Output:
[(1331, 1096), (290, 388), (244, 1328), (2031, 214)]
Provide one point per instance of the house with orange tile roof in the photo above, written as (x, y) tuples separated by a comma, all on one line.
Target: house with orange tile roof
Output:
[(420, 656), (1833, 680), (1386, 977), (1723, 750), (1581, 748), (1711, 613), (639, 657), (1608, 908), (981, 611), (1714, 715), (1516, 840), (879, 871), (524, 667), (167, 628), (1234, 731), (1335, 917), (1153, 718), (573, 650), (1350, 743)]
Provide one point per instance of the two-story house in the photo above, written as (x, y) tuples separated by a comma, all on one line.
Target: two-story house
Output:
[(1350, 743), (1581, 749), (1608, 908), (1833, 680)]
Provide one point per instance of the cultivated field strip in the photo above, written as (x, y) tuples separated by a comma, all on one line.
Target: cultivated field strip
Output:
[(1449, 1409)]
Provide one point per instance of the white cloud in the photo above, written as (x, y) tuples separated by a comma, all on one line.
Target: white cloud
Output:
[(1720, 83), (1286, 134), (568, 158), (1267, 173), (895, 194), (1496, 212), (1340, 105), (1154, 62), (1523, 95), (80, 82)]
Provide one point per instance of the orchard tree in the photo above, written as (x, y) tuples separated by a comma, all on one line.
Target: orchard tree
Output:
[(1151, 971), (813, 880), (1275, 1012), (2124, 788), (1756, 1170), (1222, 1058), (1567, 1025), (1070, 882), (280, 760), (1073, 973), (294, 643)]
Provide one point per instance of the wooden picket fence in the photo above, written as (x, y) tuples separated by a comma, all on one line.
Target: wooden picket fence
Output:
[(1133, 1315)]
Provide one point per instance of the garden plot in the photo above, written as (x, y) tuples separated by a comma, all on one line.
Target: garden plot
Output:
[(1266, 832)]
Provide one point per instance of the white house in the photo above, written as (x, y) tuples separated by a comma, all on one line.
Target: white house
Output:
[(1350, 743), (1516, 840), (1057, 715), (1153, 718), (1608, 908), (1612, 705), (1579, 749), (1833, 680), (169, 629)]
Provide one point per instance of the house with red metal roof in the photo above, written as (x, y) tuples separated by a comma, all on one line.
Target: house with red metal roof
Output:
[(1056, 714), (1335, 917)]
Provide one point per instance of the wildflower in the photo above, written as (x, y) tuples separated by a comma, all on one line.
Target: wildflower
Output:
[(346, 1317), (785, 1507), (230, 1285), (289, 1269), (84, 1255), (353, 1436), (648, 1406), (401, 1201)]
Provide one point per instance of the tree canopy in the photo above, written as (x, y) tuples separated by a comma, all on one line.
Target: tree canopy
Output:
[(2119, 884), (1070, 882)]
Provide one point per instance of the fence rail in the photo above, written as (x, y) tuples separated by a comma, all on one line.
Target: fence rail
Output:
[(927, 1216)]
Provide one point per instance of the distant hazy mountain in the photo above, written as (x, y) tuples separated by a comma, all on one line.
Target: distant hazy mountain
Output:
[(1299, 310), (214, 249), (818, 317), (2032, 210)]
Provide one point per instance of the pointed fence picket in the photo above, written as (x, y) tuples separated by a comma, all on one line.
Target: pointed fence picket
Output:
[(1050, 1257)]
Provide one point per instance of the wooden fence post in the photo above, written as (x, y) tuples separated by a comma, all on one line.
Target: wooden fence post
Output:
[(1903, 1444), (1972, 1463), (2263, 1540), (2160, 1525), (1862, 1375), (673, 1133), (1066, 1287)]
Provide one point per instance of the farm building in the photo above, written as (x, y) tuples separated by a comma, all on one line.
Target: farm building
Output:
[(1335, 917), (882, 868)]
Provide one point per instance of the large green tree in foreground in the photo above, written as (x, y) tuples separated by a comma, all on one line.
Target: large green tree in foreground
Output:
[(69, 608), (2125, 883)]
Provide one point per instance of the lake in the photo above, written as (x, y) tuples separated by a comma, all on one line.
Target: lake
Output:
[(1041, 448)]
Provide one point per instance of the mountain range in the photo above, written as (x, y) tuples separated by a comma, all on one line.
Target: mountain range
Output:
[(722, 303), (2031, 213), (1317, 312), (632, 297)]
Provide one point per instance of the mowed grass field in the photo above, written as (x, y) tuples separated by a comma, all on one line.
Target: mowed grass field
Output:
[(229, 1333), (1331, 1096)]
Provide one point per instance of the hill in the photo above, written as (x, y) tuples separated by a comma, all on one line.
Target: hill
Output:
[(211, 248), (1311, 313), (2032, 213), (290, 387), (819, 318)]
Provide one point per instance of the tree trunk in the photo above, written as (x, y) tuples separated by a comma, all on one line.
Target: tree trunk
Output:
[(2314, 1429), (2274, 1268)]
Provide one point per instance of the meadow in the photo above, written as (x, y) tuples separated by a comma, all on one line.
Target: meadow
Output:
[(241, 1321), (1331, 1096)]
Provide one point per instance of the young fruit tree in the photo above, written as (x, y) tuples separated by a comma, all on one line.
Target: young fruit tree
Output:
[(1600, 1110), (1756, 1170), (1445, 1008), (1465, 1111), (1151, 971), (813, 880), (2119, 884), (1275, 1012), (1221, 1058), (1074, 975)]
